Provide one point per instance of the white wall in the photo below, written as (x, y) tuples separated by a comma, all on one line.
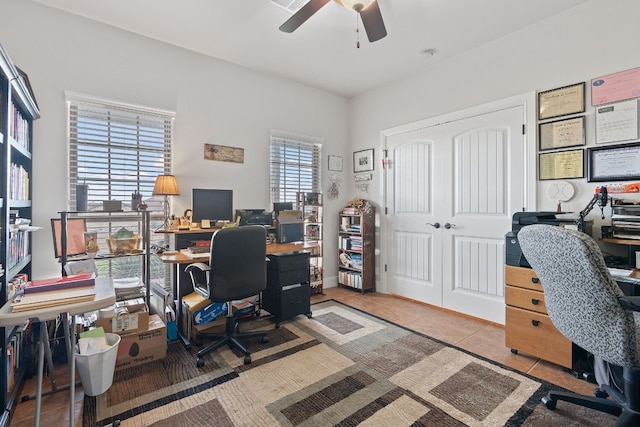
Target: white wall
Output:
[(591, 40), (215, 102)]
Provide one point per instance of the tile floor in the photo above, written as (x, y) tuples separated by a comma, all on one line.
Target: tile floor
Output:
[(482, 338)]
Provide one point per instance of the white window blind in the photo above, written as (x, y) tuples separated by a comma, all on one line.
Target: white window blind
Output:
[(117, 149), (295, 166)]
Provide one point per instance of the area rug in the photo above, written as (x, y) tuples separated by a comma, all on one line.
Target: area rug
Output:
[(342, 367)]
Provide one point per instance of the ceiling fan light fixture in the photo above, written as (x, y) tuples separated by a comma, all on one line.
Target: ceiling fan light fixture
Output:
[(357, 5)]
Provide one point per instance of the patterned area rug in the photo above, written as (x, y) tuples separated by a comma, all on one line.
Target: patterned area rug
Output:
[(342, 367)]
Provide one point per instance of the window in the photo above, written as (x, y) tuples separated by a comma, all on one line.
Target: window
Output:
[(295, 166), (117, 149)]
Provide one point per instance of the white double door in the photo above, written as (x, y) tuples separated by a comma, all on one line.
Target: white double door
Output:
[(450, 191)]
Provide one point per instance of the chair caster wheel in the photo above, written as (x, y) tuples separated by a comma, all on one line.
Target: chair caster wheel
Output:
[(598, 392), (309, 315), (549, 403), (247, 360), (265, 339), (199, 362), (514, 351)]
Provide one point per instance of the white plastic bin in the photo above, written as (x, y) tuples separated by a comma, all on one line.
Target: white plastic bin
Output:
[(96, 370)]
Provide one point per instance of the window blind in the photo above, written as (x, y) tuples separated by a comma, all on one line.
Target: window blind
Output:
[(117, 149), (295, 166)]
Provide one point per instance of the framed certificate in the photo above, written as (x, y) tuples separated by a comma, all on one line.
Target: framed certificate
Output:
[(561, 133), (561, 165), (561, 101), (614, 163), (335, 163)]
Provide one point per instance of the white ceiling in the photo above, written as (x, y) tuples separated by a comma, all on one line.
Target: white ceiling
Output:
[(322, 52)]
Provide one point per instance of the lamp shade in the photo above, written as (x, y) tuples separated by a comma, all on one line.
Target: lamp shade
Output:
[(166, 185)]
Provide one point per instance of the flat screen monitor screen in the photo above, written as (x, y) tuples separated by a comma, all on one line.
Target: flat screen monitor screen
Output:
[(214, 205), (282, 206)]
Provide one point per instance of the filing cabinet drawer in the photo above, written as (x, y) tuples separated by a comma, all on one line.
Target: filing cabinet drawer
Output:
[(534, 334), (295, 300), (522, 277), (288, 261), (294, 276), (525, 298)]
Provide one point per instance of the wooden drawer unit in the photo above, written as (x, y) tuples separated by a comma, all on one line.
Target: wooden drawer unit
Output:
[(527, 325)]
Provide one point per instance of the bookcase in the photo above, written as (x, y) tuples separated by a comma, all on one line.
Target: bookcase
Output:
[(310, 207), (18, 110), (124, 260), (356, 247)]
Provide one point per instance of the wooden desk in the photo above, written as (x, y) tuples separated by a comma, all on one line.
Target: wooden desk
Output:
[(178, 258), (104, 297)]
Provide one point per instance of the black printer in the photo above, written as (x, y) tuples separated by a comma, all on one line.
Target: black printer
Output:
[(520, 219)]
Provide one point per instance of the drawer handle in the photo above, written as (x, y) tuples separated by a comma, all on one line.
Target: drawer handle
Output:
[(535, 301), (535, 280), (535, 322)]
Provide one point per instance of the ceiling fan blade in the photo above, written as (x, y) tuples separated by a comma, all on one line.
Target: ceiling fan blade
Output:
[(373, 23), (304, 13)]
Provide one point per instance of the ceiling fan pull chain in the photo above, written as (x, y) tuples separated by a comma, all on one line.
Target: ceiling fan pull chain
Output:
[(357, 31)]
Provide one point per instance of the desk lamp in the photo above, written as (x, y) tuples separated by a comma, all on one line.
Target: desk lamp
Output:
[(166, 185)]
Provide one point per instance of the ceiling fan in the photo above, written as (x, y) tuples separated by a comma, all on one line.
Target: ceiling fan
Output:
[(368, 10)]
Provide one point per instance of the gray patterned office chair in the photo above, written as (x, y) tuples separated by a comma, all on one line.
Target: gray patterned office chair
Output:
[(586, 305), (237, 269)]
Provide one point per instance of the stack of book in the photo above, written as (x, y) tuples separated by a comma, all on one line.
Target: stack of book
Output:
[(57, 291), (626, 221)]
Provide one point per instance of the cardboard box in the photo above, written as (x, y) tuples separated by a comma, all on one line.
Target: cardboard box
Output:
[(143, 347), (209, 312), (243, 308), (214, 327), (126, 323), (202, 309)]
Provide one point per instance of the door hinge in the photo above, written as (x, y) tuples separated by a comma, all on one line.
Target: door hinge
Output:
[(385, 268), (386, 210), (523, 129)]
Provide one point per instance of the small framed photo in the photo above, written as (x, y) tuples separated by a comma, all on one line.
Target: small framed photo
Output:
[(613, 163), (335, 163), (363, 160), (561, 101)]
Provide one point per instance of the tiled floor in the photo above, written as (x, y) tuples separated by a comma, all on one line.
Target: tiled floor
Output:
[(479, 337)]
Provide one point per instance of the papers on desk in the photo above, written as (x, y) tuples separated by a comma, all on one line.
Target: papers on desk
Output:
[(194, 255), (620, 272)]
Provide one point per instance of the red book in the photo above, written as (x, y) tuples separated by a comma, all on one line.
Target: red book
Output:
[(65, 282)]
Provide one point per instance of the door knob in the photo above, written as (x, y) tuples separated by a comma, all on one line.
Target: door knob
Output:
[(448, 226), (435, 225)]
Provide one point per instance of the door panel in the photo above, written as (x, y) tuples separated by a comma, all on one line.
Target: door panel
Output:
[(468, 175)]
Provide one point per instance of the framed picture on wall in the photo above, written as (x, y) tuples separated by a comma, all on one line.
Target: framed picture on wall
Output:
[(561, 101), (561, 133), (363, 160), (614, 163), (335, 163)]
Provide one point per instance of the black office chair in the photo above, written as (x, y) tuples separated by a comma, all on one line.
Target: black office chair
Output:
[(237, 269), (586, 305)]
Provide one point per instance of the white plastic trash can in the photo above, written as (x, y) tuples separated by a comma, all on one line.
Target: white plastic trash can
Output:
[(96, 370)]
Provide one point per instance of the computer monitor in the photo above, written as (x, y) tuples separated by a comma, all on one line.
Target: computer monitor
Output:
[(282, 206), (212, 204)]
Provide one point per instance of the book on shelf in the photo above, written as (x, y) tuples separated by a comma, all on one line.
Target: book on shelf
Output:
[(64, 282)]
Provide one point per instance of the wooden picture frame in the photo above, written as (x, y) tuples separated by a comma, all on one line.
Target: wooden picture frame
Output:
[(363, 160), (614, 163), (568, 164), (562, 101), (561, 134)]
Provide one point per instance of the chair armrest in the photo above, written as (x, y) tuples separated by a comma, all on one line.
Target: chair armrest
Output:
[(200, 265), (630, 303)]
